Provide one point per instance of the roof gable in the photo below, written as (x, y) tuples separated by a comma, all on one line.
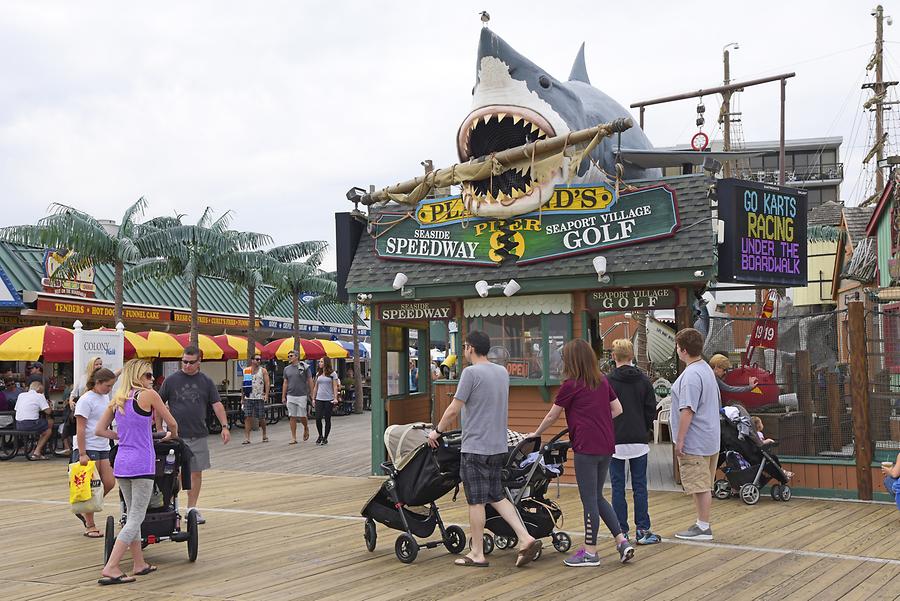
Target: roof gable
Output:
[(883, 202)]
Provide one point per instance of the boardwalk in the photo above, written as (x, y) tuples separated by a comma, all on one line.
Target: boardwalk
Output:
[(290, 535)]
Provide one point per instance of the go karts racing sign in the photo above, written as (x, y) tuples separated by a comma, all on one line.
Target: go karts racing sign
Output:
[(577, 219)]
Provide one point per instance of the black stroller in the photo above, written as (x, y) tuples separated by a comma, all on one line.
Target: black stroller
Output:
[(526, 478), (417, 477), (163, 520), (748, 464)]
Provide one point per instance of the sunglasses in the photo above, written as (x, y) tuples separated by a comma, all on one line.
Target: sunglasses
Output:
[(189, 362), (257, 358), (149, 374)]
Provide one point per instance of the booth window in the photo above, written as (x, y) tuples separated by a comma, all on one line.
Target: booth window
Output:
[(396, 351), (527, 334)]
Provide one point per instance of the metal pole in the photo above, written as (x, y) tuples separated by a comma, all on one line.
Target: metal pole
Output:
[(726, 114), (642, 119), (781, 137)]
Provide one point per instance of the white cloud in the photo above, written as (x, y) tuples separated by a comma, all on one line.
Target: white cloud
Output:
[(274, 109)]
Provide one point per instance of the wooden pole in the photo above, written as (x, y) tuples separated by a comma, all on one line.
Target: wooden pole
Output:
[(835, 410), (859, 387), (879, 95), (716, 90), (540, 149)]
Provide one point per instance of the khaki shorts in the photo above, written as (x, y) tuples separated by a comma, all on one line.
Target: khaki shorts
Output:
[(698, 472), (296, 405)]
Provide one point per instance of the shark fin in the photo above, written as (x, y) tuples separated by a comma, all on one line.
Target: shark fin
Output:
[(579, 70)]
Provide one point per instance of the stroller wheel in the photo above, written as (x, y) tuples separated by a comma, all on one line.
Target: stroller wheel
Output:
[(370, 535), (722, 490), (487, 545), (193, 542), (501, 542), (786, 493), (406, 548), (109, 538), (562, 542), (776, 492), (750, 494), (512, 541), (455, 540)]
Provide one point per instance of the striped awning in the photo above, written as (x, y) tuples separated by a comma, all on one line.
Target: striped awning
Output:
[(534, 304)]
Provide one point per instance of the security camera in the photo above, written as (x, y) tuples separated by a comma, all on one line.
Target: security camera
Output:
[(698, 273), (482, 287), (363, 297), (399, 281), (511, 288)]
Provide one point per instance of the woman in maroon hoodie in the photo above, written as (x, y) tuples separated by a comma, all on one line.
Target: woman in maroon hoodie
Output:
[(590, 405)]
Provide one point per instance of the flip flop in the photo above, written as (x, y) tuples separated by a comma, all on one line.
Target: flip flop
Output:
[(34, 457), (246, 442), (93, 532), (468, 562), (148, 570), (293, 442), (265, 439), (527, 554), (121, 579), (306, 435)]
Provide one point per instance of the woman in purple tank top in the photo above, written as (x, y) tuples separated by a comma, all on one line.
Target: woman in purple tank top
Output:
[(132, 408)]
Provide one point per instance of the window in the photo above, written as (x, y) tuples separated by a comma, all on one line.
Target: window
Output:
[(829, 157), (770, 161), (529, 346), (829, 194)]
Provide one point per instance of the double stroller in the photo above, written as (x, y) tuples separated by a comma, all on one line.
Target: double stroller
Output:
[(418, 476), (163, 520), (748, 464), (526, 477)]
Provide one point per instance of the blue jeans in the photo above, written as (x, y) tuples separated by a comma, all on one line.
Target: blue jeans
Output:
[(638, 486), (890, 484)]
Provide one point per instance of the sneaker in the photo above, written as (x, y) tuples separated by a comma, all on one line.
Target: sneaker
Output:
[(645, 537), (626, 551), (695, 533), (319, 440), (200, 519), (324, 441), (582, 558), (627, 537)]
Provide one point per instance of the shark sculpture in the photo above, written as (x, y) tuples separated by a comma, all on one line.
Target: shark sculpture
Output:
[(515, 102)]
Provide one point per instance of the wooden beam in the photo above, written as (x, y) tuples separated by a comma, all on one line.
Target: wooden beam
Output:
[(859, 386)]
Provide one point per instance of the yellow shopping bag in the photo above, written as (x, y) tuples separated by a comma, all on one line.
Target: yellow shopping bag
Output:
[(80, 481)]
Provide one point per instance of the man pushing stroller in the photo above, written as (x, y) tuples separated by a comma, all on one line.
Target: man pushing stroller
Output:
[(482, 398)]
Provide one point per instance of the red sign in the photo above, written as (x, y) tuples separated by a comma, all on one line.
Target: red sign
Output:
[(517, 369), (765, 331), (213, 320), (92, 311)]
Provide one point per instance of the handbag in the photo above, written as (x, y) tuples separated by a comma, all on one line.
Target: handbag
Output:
[(89, 495)]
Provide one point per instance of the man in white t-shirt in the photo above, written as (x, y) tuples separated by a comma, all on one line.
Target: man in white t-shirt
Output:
[(33, 414)]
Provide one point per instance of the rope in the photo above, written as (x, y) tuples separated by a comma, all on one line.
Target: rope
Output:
[(391, 225)]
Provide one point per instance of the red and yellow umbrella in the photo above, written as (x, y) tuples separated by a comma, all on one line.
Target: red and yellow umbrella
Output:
[(136, 345), (209, 346), (239, 345), (165, 345), (55, 344), (309, 349)]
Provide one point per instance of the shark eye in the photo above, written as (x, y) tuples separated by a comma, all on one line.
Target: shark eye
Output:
[(473, 90), (544, 81)]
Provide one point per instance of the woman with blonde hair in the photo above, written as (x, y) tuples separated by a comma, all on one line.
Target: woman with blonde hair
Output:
[(132, 407), (720, 364), (86, 445), (590, 404)]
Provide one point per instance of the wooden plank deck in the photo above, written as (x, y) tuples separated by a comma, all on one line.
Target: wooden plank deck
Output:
[(274, 536)]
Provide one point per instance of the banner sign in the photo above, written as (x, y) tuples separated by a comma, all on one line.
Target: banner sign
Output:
[(104, 312), (765, 233), (638, 298), (765, 331), (212, 320), (108, 345), (313, 328), (577, 219), (418, 311), (82, 285)]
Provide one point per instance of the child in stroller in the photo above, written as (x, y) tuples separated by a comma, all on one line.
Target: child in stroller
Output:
[(417, 476), (163, 519), (748, 463), (526, 477)]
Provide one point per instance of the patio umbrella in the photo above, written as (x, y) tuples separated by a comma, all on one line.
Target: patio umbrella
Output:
[(135, 345), (363, 351), (55, 344), (239, 345), (211, 349), (309, 349), (164, 344)]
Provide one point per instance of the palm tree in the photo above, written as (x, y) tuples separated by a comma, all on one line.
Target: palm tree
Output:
[(292, 277), (89, 240), (250, 270), (189, 252)]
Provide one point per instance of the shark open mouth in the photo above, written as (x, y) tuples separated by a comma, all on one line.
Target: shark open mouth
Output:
[(492, 129)]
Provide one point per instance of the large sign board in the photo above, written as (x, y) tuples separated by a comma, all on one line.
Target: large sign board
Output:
[(82, 285), (765, 233), (577, 219), (109, 345), (417, 311), (101, 312), (635, 298)]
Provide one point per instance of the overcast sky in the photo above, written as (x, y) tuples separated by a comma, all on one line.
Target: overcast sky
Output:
[(274, 109)]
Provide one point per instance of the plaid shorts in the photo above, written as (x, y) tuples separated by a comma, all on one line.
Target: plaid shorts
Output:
[(481, 477), (254, 408)]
